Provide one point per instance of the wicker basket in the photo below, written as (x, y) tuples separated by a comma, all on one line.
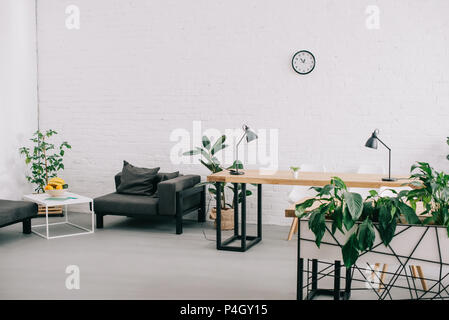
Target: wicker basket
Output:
[(227, 218), (55, 210)]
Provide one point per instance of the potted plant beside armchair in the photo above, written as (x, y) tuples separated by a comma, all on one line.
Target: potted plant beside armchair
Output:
[(208, 152)]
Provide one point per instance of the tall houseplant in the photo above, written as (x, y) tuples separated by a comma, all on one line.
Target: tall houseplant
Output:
[(208, 152), (44, 158)]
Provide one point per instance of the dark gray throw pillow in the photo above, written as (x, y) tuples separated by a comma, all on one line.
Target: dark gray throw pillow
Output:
[(138, 181)]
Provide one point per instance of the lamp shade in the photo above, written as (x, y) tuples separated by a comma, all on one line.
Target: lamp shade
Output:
[(372, 141), (250, 134)]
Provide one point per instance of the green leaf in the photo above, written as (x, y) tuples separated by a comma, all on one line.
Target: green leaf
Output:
[(366, 235), (409, 213), (191, 152), (350, 251), (373, 193), (235, 164), (317, 224), (387, 225), (339, 183), (354, 203), (326, 190), (302, 207), (348, 222), (219, 144), (337, 222), (384, 216), (206, 142)]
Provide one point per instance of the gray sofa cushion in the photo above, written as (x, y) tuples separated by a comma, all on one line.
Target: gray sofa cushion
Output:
[(137, 181), (12, 211), (165, 177), (167, 193), (126, 204)]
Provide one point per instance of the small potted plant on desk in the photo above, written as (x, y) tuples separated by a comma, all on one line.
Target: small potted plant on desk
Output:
[(209, 151), (295, 171), (45, 161)]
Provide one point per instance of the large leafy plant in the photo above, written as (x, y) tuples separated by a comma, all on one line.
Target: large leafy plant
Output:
[(351, 215), (208, 152), (432, 190), (44, 158)]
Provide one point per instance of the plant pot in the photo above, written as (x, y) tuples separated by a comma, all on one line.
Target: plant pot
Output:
[(413, 246), (227, 218), (296, 174), (405, 239)]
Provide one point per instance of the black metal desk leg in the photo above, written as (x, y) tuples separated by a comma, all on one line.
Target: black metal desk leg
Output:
[(300, 280), (218, 210), (245, 241), (236, 209), (244, 216), (314, 274), (348, 283), (259, 211), (337, 280), (300, 267)]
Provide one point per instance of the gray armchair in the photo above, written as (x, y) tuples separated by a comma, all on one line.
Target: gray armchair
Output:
[(173, 198)]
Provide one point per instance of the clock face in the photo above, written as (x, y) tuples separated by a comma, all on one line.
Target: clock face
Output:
[(303, 62)]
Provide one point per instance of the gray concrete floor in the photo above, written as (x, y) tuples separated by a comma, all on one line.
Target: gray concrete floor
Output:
[(144, 259)]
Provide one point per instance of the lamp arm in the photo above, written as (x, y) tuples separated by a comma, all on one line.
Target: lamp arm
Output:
[(389, 156), (237, 151), (383, 143)]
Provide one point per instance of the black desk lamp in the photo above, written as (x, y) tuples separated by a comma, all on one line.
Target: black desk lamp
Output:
[(250, 136), (372, 143)]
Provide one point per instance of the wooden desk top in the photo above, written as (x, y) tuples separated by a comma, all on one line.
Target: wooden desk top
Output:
[(285, 177)]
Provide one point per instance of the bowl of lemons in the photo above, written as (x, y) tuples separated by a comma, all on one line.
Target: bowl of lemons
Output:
[(56, 187)]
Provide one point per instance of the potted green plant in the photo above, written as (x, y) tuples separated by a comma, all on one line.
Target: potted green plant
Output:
[(357, 223), (208, 152), (346, 212), (295, 171), (45, 160)]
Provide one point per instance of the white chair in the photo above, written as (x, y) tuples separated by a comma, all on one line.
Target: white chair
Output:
[(300, 192)]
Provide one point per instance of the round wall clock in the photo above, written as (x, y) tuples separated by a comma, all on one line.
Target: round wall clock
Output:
[(303, 62)]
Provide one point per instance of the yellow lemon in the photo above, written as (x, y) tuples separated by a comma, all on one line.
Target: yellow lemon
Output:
[(58, 187)]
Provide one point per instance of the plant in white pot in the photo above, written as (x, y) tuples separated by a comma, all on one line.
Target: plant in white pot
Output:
[(208, 152), (354, 218), (295, 171), (383, 229)]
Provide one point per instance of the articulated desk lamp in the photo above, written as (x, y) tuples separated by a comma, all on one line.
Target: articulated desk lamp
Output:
[(250, 136), (372, 143)]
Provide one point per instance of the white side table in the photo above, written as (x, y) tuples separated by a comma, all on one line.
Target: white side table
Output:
[(69, 198)]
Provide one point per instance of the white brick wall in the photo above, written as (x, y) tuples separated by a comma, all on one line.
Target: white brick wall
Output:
[(18, 108), (137, 69)]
